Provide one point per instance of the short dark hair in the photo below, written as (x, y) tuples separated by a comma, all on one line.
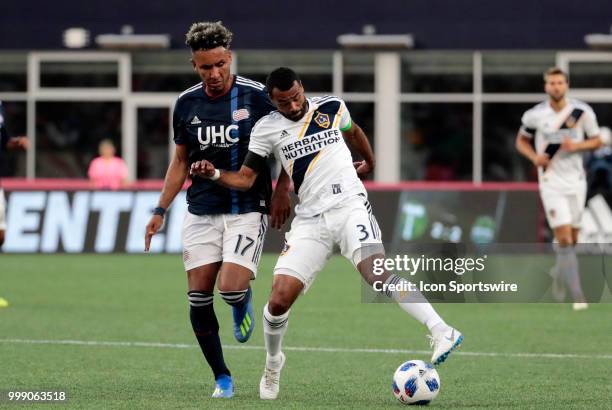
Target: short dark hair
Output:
[(281, 78), (207, 35), (555, 71)]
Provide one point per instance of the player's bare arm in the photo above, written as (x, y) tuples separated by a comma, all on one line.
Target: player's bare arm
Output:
[(241, 180), (280, 205), (173, 182), (357, 139), (523, 145), (589, 144)]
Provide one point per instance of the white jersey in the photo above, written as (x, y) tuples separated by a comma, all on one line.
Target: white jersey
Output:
[(565, 172), (313, 153)]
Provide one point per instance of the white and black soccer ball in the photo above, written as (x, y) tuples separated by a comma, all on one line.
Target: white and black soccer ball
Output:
[(416, 382)]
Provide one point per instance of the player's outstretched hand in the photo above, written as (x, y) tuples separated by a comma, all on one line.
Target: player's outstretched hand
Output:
[(153, 226), (568, 145), (280, 208), (541, 160), (362, 168), (204, 169)]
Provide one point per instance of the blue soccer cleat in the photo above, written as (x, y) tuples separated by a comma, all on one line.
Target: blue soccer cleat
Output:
[(244, 320), (224, 387)]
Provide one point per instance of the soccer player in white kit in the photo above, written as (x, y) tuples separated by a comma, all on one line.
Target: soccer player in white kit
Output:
[(308, 136), (563, 129)]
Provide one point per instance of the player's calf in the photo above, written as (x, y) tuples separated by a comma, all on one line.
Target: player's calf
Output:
[(206, 329)]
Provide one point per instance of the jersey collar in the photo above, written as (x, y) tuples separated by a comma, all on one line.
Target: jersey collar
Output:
[(216, 97)]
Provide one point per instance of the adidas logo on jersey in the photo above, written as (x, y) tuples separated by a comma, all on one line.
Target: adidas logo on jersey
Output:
[(196, 120), (284, 134)]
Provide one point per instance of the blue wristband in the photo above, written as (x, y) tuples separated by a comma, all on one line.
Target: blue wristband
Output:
[(159, 211)]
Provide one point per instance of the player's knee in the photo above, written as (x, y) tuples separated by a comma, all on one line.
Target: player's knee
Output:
[(278, 304), (565, 241), (1, 238), (201, 312), (203, 277), (233, 277)]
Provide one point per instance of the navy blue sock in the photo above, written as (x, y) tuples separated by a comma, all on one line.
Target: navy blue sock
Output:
[(206, 329)]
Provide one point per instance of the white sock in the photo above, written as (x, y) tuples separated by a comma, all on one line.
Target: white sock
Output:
[(567, 262), (415, 304), (274, 330)]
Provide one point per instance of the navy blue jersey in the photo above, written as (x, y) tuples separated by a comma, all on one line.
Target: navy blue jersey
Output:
[(218, 130)]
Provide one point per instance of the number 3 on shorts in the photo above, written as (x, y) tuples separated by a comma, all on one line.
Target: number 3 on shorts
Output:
[(249, 243), (365, 233)]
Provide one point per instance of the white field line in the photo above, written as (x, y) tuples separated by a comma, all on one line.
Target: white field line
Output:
[(306, 349)]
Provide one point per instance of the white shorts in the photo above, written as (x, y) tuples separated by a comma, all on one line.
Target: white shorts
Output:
[(229, 238), (2, 211), (563, 209), (310, 242)]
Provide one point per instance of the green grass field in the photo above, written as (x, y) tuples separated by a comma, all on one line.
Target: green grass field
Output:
[(514, 355)]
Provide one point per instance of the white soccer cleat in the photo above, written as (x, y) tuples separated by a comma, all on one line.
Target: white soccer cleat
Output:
[(269, 383), (443, 343), (580, 306)]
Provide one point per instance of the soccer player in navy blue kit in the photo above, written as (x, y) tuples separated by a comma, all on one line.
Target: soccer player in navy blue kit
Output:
[(224, 229)]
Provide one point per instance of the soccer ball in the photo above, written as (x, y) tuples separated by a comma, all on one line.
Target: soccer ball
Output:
[(416, 382)]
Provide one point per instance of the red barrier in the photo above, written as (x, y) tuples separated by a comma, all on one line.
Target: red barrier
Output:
[(48, 184)]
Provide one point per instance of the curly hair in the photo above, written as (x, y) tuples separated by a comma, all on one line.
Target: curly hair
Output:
[(208, 35)]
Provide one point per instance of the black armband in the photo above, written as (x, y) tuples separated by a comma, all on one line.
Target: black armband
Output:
[(254, 161), (159, 211)]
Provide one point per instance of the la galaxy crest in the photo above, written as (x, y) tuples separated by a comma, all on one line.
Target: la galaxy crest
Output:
[(322, 120)]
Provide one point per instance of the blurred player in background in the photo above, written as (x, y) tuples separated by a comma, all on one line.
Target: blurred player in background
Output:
[(563, 128), (308, 135), (7, 143), (223, 230), (107, 171)]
